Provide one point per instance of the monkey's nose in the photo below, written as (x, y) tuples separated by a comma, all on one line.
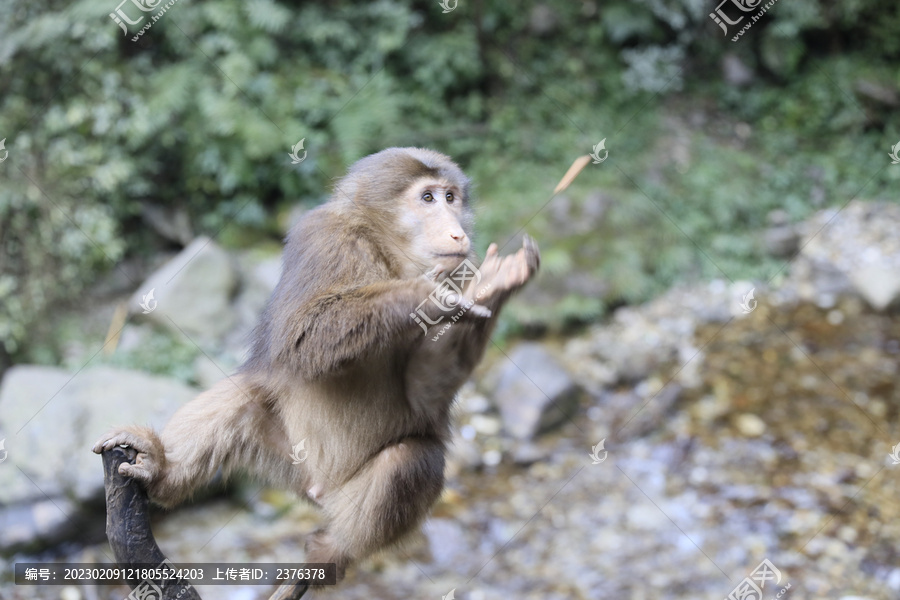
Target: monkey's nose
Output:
[(458, 235)]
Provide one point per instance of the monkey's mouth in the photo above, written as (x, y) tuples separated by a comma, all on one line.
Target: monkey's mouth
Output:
[(451, 255)]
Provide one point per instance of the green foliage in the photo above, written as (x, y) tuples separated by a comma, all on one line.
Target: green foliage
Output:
[(202, 110)]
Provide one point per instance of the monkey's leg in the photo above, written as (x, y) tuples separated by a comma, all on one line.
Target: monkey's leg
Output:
[(229, 425), (387, 499)]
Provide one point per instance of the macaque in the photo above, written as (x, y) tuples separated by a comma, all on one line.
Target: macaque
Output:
[(346, 359)]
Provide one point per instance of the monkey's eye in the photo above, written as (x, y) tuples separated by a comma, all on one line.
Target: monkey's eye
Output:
[(450, 197), (427, 197)]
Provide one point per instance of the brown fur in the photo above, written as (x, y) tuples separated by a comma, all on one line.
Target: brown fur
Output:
[(338, 361)]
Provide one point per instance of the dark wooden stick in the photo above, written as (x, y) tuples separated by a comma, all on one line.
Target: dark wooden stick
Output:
[(128, 528), (131, 539)]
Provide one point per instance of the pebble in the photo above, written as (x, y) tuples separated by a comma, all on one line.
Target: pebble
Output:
[(750, 425)]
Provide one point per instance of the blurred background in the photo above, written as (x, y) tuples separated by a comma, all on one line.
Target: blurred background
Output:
[(702, 377)]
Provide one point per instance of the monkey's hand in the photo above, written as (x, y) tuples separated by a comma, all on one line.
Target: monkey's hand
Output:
[(501, 276), (451, 300), (150, 460)]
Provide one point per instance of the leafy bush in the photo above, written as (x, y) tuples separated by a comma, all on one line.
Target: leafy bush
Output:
[(201, 112)]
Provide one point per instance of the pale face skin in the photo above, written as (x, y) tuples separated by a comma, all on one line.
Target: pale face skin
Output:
[(434, 218)]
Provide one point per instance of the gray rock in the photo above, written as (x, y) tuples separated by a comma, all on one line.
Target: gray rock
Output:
[(259, 276), (527, 453), (26, 525), (446, 540), (464, 455), (192, 292), (878, 285), (171, 222), (534, 393), (781, 241), (50, 418), (543, 20), (735, 71), (637, 412), (879, 93), (850, 252)]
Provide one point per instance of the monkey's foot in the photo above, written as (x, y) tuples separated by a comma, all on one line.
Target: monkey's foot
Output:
[(146, 465)]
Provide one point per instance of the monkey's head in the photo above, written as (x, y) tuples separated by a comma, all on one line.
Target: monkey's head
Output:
[(418, 200)]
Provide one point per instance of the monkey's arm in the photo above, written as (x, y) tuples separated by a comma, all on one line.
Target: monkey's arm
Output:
[(500, 278), (339, 328)]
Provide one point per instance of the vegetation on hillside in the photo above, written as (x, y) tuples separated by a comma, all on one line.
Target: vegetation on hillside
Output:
[(200, 113)]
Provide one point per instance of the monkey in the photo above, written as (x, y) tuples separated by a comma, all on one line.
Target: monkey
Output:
[(345, 358)]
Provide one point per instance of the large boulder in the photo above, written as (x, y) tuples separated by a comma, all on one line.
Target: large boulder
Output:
[(853, 251), (192, 292), (49, 419), (534, 393)]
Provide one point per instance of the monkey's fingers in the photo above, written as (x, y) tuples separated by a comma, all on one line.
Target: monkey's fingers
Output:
[(119, 438), (532, 253), (434, 273), (142, 472), (480, 311), (492, 251)]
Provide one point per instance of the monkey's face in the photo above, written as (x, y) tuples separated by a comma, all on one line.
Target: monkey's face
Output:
[(437, 220)]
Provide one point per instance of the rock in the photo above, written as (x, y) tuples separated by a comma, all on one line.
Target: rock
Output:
[(463, 455), (259, 276), (750, 425), (526, 453), (850, 252), (543, 20), (24, 525), (878, 285), (192, 292), (735, 71), (171, 222), (638, 411), (446, 540), (60, 415), (533, 392), (208, 372), (485, 425), (781, 241), (877, 92)]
